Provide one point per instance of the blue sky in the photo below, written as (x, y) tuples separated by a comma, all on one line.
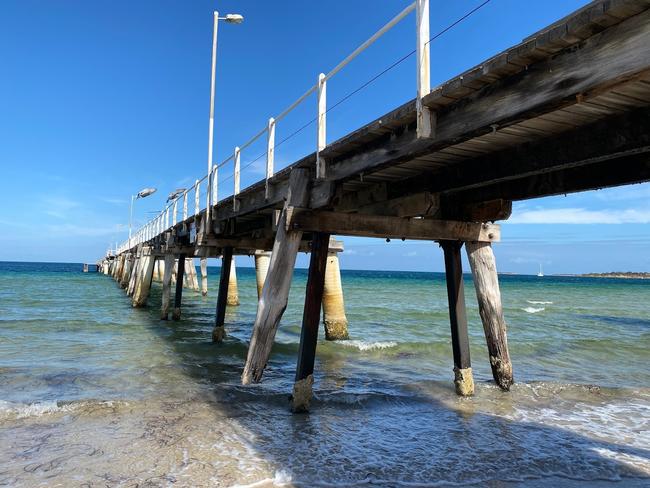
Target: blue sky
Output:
[(101, 99)]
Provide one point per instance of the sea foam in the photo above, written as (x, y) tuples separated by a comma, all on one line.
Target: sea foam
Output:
[(368, 346), (533, 309), (539, 302)]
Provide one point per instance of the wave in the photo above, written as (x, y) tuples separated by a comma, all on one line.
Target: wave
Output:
[(533, 309), (539, 302), (368, 346), (38, 409)]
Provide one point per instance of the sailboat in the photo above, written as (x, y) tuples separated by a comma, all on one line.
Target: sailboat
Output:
[(541, 272)]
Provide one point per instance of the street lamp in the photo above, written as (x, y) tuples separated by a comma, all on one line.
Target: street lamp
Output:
[(174, 194), (230, 19), (145, 192)]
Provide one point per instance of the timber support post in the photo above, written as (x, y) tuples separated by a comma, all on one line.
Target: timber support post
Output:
[(178, 296), (334, 319), (262, 260), (463, 379), (135, 269), (166, 285), (233, 292), (275, 293), (486, 282), (191, 280), (126, 271), (302, 388), (204, 276), (143, 284), (219, 331)]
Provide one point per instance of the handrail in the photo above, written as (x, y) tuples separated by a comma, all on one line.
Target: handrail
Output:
[(160, 223)]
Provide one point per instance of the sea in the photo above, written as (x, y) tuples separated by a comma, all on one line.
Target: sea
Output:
[(96, 393)]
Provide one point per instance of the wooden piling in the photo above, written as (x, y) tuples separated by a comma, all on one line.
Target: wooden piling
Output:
[(126, 272), (204, 276), (166, 286), (143, 284), (334, 319), (463, 379), (219, 331), (192, 281), (178, 297), (118, 268), (262, 259), (135, 270), (486, 282), (233, 292), (302, 388), (275, 293)]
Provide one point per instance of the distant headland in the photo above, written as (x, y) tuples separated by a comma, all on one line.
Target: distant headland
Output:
[(618, 274)]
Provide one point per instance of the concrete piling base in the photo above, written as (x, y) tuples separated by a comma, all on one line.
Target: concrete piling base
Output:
[(302, 394), (464, 381), (335, 321), (233, 292), (262, 260)]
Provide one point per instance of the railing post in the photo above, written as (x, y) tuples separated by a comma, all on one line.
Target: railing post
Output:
[(236, 177), (215, 184), (175, 211), (423, 68), (197, 194), (321, 122), (270, 154), (185, 205), (167, 218)]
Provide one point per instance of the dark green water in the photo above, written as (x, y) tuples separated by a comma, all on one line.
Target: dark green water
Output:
[(96, 393)]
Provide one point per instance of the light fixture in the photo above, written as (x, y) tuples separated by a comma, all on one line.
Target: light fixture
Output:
[(234, 18), (145, 192), (174, 194)]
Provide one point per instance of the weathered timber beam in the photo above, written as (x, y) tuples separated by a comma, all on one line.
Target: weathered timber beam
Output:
[(394, 227), (213, 247), (275, 292), (423, 204), (605, 139), (613, 56), (624, 170)]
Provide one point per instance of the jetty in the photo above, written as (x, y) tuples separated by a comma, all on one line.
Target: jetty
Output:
[(565, 110)]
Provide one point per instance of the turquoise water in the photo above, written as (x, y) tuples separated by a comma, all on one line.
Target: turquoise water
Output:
[(96, 393)]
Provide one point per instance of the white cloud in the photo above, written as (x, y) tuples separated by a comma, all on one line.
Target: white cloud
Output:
[(581, 216), (623, 193)]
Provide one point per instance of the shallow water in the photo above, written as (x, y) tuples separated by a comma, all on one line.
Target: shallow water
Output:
[(96, 393)]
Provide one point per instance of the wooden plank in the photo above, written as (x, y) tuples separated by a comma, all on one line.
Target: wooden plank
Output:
[(391, 227), (418, 204), (617, 54), (621, 169), (590, 144), (302, 389)]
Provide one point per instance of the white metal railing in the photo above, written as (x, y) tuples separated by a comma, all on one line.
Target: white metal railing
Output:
[(165, 221)]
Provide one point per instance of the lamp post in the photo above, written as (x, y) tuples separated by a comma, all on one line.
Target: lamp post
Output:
[(230, 19), (145, 192)]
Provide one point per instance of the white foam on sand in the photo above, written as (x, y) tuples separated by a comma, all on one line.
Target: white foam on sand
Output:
[(533, 309), (38, 409), (368, 346)]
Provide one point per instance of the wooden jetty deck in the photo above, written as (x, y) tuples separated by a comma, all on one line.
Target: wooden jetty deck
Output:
[(566, 110)]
